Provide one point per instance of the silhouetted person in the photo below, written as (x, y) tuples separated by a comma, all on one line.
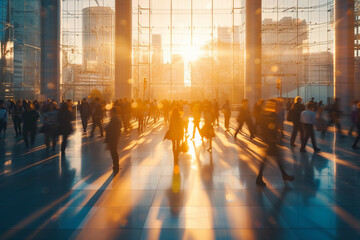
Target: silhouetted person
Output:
[(3, 115), (17, 112), (97, 118), (245, 117), (50, 125), (357, 139), (227, 114), (85, 113), (269, 134), (186, 116), (353, 116), (30, 117), (64, 124), (294, 116), (112, 138), (126, 114), (308, 120), (207, 130), (280, 114), (258, 108), (320, 121), (196, 112), (166, 109), (335, 115), (175, 132), (216, 112)]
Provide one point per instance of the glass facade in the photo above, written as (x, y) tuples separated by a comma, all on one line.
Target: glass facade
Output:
[(189, 49), (194, 49), (20, 49), (298, 49), (87, 48)]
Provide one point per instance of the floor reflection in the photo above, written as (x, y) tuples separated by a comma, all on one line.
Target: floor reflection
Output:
[(205, 196)]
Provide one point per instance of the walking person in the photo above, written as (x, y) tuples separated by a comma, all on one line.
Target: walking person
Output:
[(49, 127), (186, 116), (245, 117), (280, 113), (269, 133), (112, 131), (258, 108), (357, 119), (175, 132), (294, 116), (207, 130), (216, 112), (3, 116), (30, 117), (85, 114), (320, 121), (64, 125), (335, 115), (97, 117), (308, 120), (196, 112), (353, 116), (17, 113), (227, 114)]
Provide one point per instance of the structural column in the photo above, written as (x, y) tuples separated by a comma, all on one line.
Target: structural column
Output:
[(123, 49), (50, 48), (253, 44), (344, 52)]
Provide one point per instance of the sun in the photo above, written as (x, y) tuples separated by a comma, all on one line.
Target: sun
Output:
[(190, 53)]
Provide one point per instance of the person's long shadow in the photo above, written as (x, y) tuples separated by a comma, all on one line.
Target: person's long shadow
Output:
[(271, 219), (175, 194), (206, 175), (37, 201)]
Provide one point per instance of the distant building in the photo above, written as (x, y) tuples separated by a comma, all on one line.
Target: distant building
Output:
[(20, 49), (96, 70), (284, 43), (98, 39)]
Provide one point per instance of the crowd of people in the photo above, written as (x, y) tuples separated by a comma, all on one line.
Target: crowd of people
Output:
[(264, 120)]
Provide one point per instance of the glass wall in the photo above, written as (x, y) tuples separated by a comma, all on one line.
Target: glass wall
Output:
[(20, 24), (194, 49), (190, 49), (88, 49), (298, 49)]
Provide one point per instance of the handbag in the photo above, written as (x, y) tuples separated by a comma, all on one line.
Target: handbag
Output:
[(184, 147)]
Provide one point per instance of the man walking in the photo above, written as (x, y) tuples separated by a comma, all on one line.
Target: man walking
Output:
[(112, 138), (308, 120), (84, 113), (294, 116)]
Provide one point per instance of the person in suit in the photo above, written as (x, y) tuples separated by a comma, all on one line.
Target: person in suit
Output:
[(30, 117), (84, 113), (64, 124), (294, 117), (112, 131)]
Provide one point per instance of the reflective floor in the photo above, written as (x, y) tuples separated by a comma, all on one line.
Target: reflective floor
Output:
[(207, 196)]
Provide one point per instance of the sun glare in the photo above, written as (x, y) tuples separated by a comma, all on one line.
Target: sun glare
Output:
[(190, 53)]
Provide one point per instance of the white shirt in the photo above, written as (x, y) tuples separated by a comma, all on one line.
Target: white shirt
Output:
[(308, 117)]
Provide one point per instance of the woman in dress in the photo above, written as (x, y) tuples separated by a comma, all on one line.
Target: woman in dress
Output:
[(175, 132)]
